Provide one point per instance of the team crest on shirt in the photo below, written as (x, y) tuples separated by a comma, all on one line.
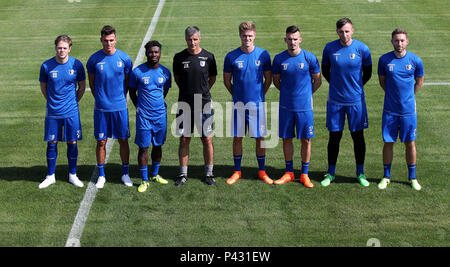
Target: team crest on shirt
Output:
[(71, 72), (301, 65), (352, 56), (119, 64), (202, 63), (408, 67), (160, 79), (257, 62)]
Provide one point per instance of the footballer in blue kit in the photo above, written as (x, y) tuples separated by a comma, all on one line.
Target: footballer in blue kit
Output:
[(149, 84), (108, 71), (296, 73), (347, 66), (401, 76), (59, 78), (247, 75)]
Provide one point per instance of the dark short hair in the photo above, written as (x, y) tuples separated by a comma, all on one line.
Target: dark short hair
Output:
[(108, 30), (292, 29), (341, 22), (151, 44), (399, 31), (64, 38)]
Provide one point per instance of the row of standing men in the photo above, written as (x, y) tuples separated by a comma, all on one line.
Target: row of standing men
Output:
[(248, 73)]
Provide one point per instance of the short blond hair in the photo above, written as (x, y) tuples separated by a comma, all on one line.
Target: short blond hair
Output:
[(247, 26)]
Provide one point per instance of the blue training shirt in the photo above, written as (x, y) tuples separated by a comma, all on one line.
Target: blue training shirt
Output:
[(61, 80), (346, 62), (109, 73), (247, 71), (399, 98), (150, 84), (296, 84)]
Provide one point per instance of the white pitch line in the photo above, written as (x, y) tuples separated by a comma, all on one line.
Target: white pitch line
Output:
[(73, 240), (436, 83)]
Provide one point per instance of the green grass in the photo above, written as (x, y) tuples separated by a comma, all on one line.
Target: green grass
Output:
[(249, 213)]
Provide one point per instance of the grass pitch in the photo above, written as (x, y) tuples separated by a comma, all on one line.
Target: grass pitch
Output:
[(249, 213)]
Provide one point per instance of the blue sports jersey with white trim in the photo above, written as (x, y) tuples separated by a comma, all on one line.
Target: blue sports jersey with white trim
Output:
[(247, 71), (109, 73), (346, 62), (400, 75), (61, 80), (150, 84), (296, 84)]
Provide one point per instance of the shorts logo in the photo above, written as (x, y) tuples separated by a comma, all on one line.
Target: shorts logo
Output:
[(408, 67), (51, 137), (119, 64), (285, 66), (301, 65), (240, 64), (78, 134), (202, 63), (311, 130), (352, 56), (101, 135)]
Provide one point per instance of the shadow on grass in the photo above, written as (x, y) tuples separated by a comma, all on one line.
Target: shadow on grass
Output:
[(114, 171)]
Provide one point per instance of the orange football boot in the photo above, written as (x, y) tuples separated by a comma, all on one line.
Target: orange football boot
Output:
[(304, 179), (236, 176), (287, 177), (263, 176)]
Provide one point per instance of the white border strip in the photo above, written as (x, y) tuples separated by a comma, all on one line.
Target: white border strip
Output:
[(73, 240)]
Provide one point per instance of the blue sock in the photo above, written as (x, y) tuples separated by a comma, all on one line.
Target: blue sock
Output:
[(387, 170), (101, 170), (72, 156), (237, 162), (125, 167), (52, 154), (412, 171), (144, 172), (289, 166), (305, 166), (155, 168), (261, 162), (359, 169), (332, 169)]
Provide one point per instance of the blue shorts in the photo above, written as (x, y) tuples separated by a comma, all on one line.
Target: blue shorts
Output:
[(405, 127), (150, 132), (65, 130), (111, 124), (291, 121), (251, 118), (356, 116)]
